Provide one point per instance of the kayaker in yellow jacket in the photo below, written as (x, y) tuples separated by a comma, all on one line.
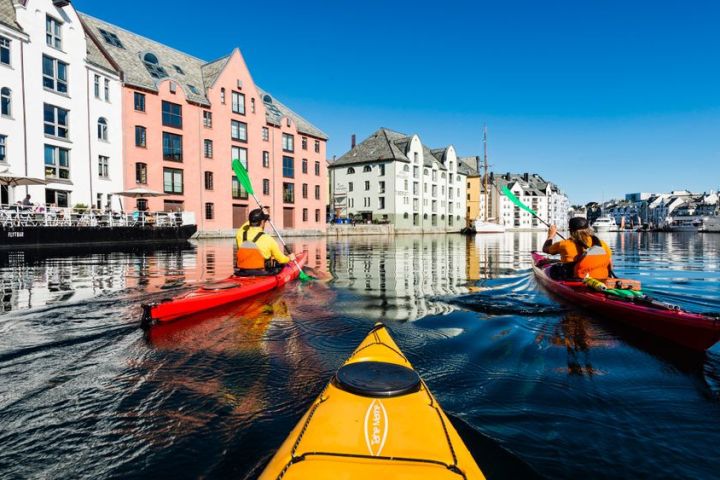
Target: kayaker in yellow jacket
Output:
[(580, 255), (258, 253)]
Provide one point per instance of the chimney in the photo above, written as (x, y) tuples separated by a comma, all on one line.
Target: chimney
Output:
[(477, 164), (508, 176), (526, 176), (352, 141)]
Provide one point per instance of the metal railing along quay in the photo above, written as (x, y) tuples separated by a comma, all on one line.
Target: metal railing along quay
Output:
[(49, 216)]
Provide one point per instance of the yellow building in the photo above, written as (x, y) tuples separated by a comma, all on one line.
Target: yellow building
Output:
[(474, 188)]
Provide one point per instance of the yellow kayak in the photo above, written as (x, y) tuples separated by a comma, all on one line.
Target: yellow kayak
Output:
[(375, 419)]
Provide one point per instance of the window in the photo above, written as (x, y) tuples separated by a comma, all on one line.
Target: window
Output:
[(173, 180), (288, 192), (265, 134), (139, 100), (304, 143), (238, 103), (350, 170), (57, 162), (317, 146), (5, 51), (107, 90), (416, 172), (406, 168), (172, 147), (317, 214), (5, 102), (103, 167), (53, 34), (238, 192), (96, 83), (367, 168), (171, 114), (55, 121), (266, 186), (141, 173), (208, 148), (266, 159), (382, 202), (382, 170), (241, 154), (178, 70), (140, 136), (3, 146), (288, 143), (222, 96), (317, 192), (208, 180), (288, 167), (304, 190), (367, 185), (350, 186), (305, 215), (304, 165), (110, 38), (153, 66), (317, 169), (382, 187), (209, 211), (207, 119), (55, 76), (238, 131), (102, 129), (193, 89)]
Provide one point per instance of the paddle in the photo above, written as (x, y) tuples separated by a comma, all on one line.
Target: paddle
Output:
[(506, 191), (244, 179)]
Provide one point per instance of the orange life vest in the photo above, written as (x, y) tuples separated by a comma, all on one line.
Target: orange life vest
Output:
[(593, 261), (249, 256)]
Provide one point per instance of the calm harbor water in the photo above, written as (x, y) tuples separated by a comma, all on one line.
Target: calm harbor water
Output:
[(83, 393)]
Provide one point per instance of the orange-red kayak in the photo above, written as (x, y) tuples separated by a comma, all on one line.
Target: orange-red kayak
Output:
[(213, 295)]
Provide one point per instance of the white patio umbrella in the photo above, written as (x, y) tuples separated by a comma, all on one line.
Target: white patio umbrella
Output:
[(12, 180), (139, 192)]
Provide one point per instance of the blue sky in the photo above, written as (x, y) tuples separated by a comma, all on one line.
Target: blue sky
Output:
[(602, 97)]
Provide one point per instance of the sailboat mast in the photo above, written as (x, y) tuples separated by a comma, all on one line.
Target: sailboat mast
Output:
[(485, 175)]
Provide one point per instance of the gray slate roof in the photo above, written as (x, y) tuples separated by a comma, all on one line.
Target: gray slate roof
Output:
[(469, 165), (195, 71), (7, 15), (96, 57), (385, 144)]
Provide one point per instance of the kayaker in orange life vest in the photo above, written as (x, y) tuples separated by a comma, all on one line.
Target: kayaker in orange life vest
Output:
[(582, 254), (258, 253)]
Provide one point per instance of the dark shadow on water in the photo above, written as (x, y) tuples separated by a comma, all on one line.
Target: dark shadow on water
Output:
[(494, 461), (510, 303)]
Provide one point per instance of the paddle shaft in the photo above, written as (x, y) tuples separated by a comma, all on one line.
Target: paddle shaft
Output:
[(287, 250)]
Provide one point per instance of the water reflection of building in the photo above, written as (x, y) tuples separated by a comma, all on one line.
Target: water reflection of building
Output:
[(401, 274), (490, 256)]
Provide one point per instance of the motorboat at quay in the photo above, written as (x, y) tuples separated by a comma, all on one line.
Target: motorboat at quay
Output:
[(30, 227), (605, 224)]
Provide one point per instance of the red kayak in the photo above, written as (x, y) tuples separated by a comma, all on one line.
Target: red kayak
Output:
[(213, 295), (692, 330)]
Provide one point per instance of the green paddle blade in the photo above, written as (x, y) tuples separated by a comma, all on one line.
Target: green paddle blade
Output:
[(506, 191), (242, 174)]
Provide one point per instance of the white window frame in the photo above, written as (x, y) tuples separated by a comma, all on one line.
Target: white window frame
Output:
[(107, 89), (238, 131), (3, 148), (5, 45), (6, 100), (241, 154), (55, 165), (54, 77), (55, 123), (103, 167), (102, 129), (53, 32)]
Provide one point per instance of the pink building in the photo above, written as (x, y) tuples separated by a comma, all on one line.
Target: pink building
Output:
[(185, 119)]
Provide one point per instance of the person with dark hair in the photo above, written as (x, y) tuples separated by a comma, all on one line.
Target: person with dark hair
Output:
[(258, 253), (583, 254)]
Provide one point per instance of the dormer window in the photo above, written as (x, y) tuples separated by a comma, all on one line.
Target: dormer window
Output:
[(179, 70), (110, 38), (193, 89), (153, 66), (367, 168)]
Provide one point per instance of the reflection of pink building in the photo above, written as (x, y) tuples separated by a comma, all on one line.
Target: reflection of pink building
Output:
[(184, 119)]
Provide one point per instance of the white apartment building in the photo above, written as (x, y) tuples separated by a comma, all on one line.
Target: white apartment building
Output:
[(543, 197), (393, 177), (65, 101)]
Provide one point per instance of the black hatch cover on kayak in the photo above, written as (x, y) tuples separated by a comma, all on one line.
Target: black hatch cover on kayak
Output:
[(377, 379), (220, 286)]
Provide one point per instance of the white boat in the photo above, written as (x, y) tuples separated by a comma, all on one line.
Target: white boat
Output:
[(686, 225), (482, 226), (605, 224), (711, 224)]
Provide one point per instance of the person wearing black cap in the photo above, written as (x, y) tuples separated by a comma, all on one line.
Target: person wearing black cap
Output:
[(583, 254), (258, 253)]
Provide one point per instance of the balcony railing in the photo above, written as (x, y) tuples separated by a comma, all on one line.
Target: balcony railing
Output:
[(44, 216)]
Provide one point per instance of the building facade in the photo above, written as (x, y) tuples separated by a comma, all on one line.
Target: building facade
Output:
[(542, 196), (61, 115), (186, 119), (392, 177)]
